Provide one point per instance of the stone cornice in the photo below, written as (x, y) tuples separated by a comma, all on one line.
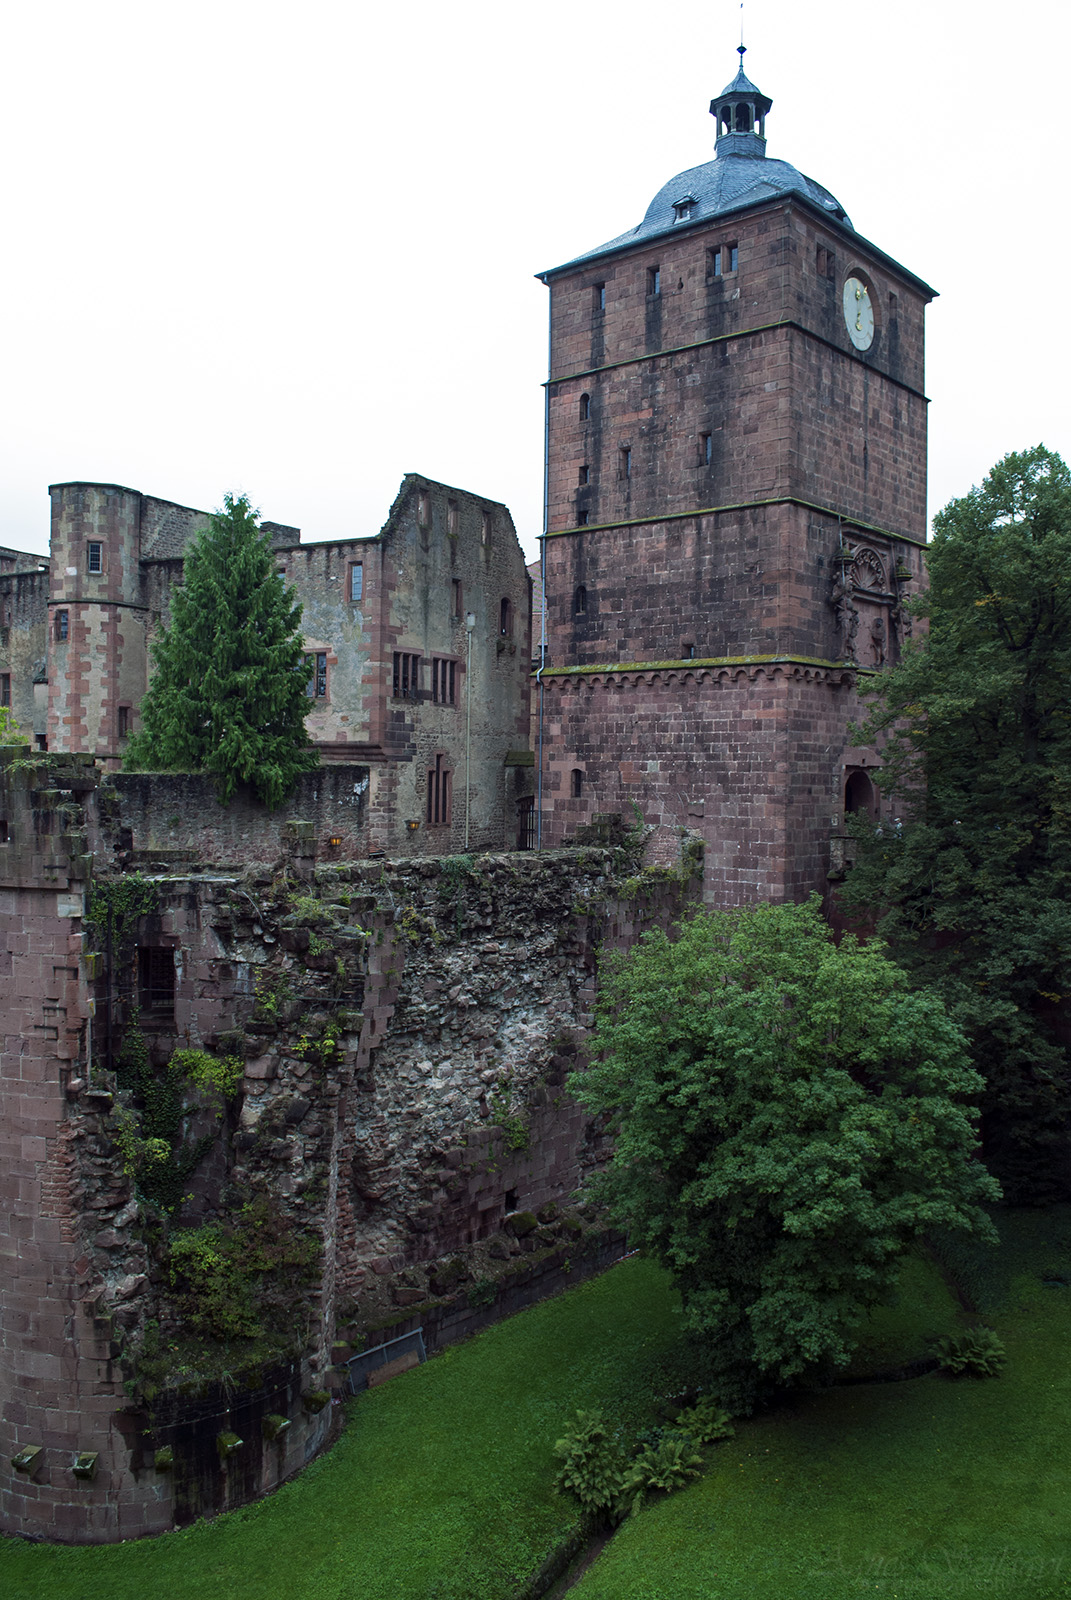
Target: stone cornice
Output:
[(743, 505)]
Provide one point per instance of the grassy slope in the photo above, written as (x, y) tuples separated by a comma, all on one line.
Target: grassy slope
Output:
[(440, 1489), (928, 1490)]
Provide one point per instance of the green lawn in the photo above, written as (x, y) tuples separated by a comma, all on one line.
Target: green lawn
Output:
[(926, 1490), (440, 1489)]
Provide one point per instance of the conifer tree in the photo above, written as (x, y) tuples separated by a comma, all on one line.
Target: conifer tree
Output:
[(228, 692)]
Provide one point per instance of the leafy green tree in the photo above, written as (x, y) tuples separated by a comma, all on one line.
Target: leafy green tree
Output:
[(972, 885), (10, 732), (228, 693), (789, 1117)]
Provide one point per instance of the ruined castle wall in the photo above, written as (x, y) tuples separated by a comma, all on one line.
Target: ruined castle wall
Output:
[(406, 1029), (175, 817)]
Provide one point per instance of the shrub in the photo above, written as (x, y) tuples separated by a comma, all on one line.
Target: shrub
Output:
[(978, 1352)]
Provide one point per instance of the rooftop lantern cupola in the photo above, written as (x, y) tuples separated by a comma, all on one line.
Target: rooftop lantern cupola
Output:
[(740, 111)]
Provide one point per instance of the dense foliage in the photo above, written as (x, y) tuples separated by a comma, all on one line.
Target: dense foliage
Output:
[(228, 692), (790, 1115), (973, 883)]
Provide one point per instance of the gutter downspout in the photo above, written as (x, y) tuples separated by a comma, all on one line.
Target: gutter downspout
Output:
[(543, 582)]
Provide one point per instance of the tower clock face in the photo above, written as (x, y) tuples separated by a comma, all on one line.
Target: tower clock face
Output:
[(858, 313)]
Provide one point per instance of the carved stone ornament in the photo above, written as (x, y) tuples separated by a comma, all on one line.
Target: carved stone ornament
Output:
[(868, 571)]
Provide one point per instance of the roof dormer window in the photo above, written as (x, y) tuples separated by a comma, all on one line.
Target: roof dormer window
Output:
[(684, 207)]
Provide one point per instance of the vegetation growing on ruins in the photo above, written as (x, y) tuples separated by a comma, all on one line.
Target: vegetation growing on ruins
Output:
[(228, 694), (789, 1116), (971, 881), (443, 1483)]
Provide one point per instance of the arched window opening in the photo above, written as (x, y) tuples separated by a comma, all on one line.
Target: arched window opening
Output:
[(580, 601), (576, 783), (585, 407), (860, 796), (505, 618)]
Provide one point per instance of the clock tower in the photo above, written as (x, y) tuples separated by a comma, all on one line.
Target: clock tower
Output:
[(736, 513)]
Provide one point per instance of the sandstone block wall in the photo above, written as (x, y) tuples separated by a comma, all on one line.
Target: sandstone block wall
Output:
[(406, 1030)]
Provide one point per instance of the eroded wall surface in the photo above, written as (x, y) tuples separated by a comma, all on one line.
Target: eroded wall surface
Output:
[(402, 1032)]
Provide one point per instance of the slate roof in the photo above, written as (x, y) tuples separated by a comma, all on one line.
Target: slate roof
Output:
[(728, 183)]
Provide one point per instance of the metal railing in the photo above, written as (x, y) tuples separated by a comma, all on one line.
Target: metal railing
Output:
[(359, 1367)]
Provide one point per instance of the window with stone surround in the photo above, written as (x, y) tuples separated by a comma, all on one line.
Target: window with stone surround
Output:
[(62, 625), (654, 281), (406, 684), (94, 556), (580, 601), (825, 262), (443, 681), (505, 618), (585, 408), (576, 783), (583, 475), (598, 297), (123, 722), (156, 983), (706, 449), (724, 258), (356, 580), (440, 787), (583, 518), (5, 688), (455, 585), (624, 461), (316, 666)]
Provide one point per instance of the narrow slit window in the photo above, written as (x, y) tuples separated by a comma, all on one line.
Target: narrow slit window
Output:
[(576, 783), (423, 509), (455, 587), (598, 298), (485, 528), (95, 556), (583, 476), (439, 794), (451, 518), (654, 280), (625, 459), (62, 625), (706, 449), (505, 618), (580, 601), (123, 727), (356, 580), (583, 518), (5, 688), (585, 407)]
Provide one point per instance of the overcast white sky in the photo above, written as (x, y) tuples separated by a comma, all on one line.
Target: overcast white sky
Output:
[(290, 249)]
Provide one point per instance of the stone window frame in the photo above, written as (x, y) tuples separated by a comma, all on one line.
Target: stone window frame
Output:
[(440, 792), (317, 685), (444, 680), (62, 626), (406, 675), (717, 258), (355, 583), (94, 556)]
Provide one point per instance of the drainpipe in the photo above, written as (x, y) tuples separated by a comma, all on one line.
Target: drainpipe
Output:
[(470, 623), (543, 585)]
